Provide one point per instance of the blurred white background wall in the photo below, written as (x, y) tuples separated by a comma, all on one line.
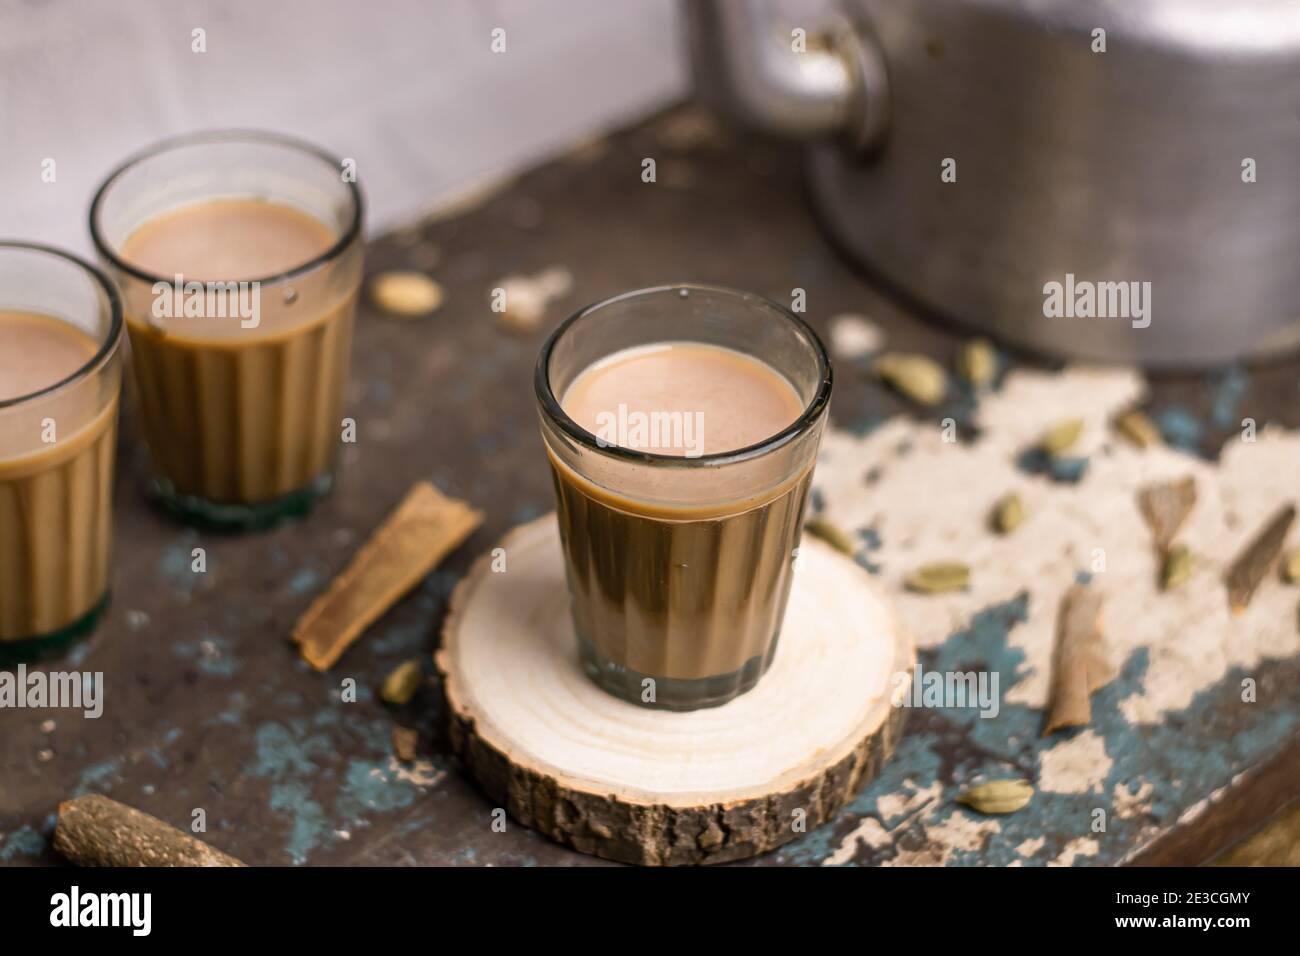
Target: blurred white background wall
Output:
[(410, 89)]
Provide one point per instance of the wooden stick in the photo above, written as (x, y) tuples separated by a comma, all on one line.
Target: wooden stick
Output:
[(419, 533), (96, 831)]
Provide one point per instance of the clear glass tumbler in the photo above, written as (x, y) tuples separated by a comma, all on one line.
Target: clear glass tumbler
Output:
[(242, 418), (60, 327), (679, 568)]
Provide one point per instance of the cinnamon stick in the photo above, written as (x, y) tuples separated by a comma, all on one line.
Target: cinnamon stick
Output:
[(419, 533), (1079, 664), (1255, 561)]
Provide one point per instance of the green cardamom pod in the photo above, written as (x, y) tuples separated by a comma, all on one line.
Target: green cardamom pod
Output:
[(1177, 567), (938, 578), (1008, 514), (1060, 437), (1138, 428), (832, 534), (1291, 567), (402, 682), (918, 377), (977, 362), (998, 796)]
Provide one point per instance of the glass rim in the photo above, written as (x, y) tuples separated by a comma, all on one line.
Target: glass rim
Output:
[(812, 410), (217, 136), (111, 340)]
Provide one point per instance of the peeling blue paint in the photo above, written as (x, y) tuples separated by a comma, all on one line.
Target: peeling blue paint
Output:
[(156, 754), (418, 824), (1069, 469), (329, 716), (210, 653), (24, 841), (233, 715), (77, 656), (287, 756), (370, 786), (176, 564), (871, 541), (102, 775), (866, 563), (1229, 388), (1179, 764), (92, 776), (315, 790), (308, 828), (1180, 428), (280, 750), (304, 581), (960, 406), (1064, 469)]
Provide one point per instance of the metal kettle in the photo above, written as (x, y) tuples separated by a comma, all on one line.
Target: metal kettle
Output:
[(982, 156)]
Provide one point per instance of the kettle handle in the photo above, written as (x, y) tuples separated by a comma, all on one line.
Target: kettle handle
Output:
[(748, 71)]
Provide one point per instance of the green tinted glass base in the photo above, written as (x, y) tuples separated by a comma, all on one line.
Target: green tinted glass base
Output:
[(225, 516), (671, 693), (45, 646)]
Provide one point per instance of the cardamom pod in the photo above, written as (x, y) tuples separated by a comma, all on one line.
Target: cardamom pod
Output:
[(1138, 428), (977, 362), (832, 534), (938, 578), (1008, 514), (1291, 567), (1177, 567), (998, 796), (402, 682), (918, 377), (1061, 436)]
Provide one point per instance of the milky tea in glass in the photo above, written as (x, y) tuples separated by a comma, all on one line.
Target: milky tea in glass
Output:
[(682, 425), (60, 377), (239, 258)]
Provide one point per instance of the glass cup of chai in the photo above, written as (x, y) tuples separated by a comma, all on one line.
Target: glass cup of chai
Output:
[(60, 377), (682, 425), (239, 258)]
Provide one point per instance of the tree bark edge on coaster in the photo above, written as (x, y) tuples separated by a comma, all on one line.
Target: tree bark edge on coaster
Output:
[(630, 823)]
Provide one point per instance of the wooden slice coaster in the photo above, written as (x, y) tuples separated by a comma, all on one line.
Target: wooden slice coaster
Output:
[(638, 785)]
